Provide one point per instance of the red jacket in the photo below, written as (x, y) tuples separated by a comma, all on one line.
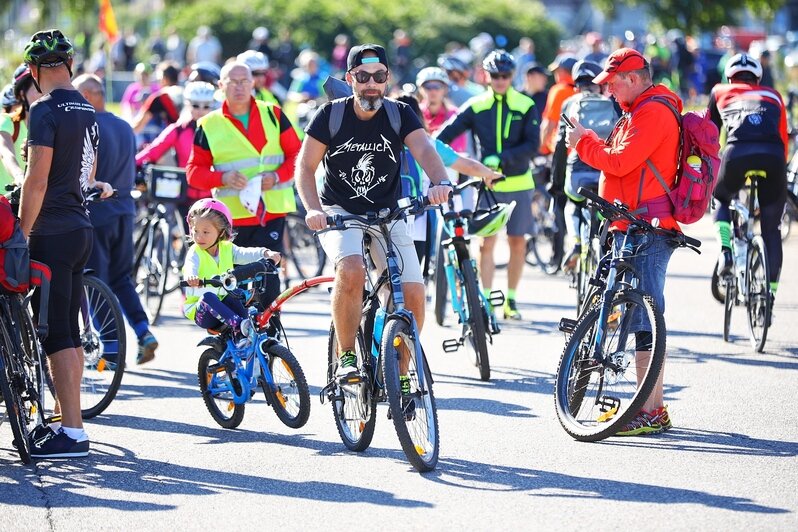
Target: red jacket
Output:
[(646, 131), (198, 169)]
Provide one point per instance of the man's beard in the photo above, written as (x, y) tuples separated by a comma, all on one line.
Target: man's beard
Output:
[(369, 103)]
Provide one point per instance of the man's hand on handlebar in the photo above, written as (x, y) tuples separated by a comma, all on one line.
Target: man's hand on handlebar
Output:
[(316, 220), (439, 194), (107, 189)]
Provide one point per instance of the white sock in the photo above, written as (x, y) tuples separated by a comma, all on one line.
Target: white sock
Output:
[(55, 426), (75, 434)]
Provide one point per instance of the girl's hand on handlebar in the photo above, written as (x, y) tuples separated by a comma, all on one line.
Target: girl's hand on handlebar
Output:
[(273, 256), (316, 220), (193, 281), (438, 194)]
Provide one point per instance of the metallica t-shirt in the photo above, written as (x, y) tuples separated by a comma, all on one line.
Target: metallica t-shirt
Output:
[(64, 121), (362, 162)]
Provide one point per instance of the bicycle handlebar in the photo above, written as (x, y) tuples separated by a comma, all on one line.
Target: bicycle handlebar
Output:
[(618, 211), (410, 205), (229, 280)]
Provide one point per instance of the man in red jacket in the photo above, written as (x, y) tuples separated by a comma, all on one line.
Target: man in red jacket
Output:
[(648, 132)]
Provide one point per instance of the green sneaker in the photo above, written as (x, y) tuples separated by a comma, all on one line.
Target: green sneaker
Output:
[(511, 310), (347, 364), (408, 402), (644, 424)]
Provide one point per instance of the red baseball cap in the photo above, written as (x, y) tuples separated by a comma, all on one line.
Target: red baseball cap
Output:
[(621, 60)]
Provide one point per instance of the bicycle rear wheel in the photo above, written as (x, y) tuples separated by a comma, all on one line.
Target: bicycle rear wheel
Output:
[(596, 398), (729, 300), (441, 287), (758, 302), (305, 253), (104, 340), (290, 398), (416, 420), (354, 406), (216, 385), (153, 269), (13, 390), (476, 335)]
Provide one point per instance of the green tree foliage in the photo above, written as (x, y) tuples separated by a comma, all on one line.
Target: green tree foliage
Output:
[(431, 24), (691, 15)]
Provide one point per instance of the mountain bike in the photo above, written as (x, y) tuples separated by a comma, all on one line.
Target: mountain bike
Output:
[(386, 331), (748, 282), (232, 369), (22, 364), (602, 381), (457, 270), (593, 238)]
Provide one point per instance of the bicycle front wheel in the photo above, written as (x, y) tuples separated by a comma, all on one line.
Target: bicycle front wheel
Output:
[(153, 270), (414, 415), (441, 287), (216, 386), (104, 341), (288, 395), (13, 391), (758, 300), (594, 398), (306, 254), (354, 406), (477, 333)]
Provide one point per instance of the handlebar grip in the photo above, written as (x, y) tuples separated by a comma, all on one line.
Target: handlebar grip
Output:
[(692, 241), (331, 221), (247, 271), (589, 194), (204, 282)]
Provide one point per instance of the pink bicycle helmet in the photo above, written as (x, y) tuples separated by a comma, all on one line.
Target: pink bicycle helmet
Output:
[(214, 205)]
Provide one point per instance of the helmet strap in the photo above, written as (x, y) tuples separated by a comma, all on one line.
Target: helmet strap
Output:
[(36, 83)]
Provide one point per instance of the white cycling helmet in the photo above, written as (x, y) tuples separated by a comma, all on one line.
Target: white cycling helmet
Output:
[(256, 61), (199, 92), (431, 74), (743, 63)]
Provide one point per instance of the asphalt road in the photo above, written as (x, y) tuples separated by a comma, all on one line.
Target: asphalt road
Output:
[(159, 461)]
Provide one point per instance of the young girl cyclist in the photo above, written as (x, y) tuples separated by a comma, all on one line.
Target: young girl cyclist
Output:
[(213, 253)]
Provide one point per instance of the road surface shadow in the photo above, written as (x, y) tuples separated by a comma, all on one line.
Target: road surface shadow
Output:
[(115, 469), (709, 441), (506, 379), (488, 477), (483, 406), (782, 360)]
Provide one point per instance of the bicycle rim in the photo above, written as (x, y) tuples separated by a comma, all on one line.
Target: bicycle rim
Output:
[(13, 388), (354, 406), (758, 300), (104, 341), (34, 357), (593, 399), (477, 326), (290, 397), (418, 433), (216, 388)]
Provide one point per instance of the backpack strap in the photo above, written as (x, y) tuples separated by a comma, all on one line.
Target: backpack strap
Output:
[(668, 191), (336, 116), (393, 115)]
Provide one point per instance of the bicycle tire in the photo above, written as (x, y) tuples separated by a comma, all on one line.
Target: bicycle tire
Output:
[(157, 270), (577, 368), (9, 386), (208, 380), (177, 255), (419, 436), (35, 358), (290, 399), (305, 252), (758, 301), (354, 408), (478, 330), (717, 287), (441, 287), (729, 299), (102, 328)]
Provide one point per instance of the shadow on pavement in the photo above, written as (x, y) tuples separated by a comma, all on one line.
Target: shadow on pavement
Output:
[(483, 406), (519, 380), (782, 360), (66, 483), (487, 477)]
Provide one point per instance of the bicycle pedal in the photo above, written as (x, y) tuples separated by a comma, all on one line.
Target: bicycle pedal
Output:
[(496, 298), (350, 380), (608, 403), (451, 346), (567, 325), (217, 368)]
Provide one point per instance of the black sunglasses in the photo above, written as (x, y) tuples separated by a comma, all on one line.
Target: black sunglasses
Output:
[(380, 76), (501, 76), (198, 106)]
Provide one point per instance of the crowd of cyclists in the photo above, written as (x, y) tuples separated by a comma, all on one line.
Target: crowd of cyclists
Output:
[(223, 122)]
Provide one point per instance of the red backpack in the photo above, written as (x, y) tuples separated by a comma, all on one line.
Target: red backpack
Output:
[(690, 197), (14, 254)]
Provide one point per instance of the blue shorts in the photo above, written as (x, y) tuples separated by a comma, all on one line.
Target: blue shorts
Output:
[(651, 265)]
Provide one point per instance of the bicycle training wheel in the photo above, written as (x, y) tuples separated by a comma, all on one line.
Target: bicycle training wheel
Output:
[(354, 406), (476, 336), (596, 398), (216, 386), (758, 301), (289, 395), (441, 287), (414, 416), (104, 340)]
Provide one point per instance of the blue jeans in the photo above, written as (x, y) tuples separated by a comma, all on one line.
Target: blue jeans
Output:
[(651, 265)]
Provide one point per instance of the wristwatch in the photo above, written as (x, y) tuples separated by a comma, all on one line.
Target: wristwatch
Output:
[(445, 183)]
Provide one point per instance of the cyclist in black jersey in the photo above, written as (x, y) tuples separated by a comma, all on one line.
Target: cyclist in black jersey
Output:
[(755, 121), (62, 148)]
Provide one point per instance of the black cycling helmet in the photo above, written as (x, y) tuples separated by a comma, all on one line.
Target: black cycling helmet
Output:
[(585, 71), (48, 48), (22, 80), (498, 62)]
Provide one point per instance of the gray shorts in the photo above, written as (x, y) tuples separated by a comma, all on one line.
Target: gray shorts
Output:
[(521, 222), (340, 244)]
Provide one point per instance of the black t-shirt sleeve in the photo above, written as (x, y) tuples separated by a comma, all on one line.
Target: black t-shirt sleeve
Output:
[(156, 106), (319, 126), (410, 121), (41, 131)]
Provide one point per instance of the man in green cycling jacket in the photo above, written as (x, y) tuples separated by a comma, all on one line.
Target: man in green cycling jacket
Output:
[(505, 123)]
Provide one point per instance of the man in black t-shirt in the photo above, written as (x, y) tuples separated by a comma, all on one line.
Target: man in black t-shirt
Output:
[(62, 160), (362, 164)]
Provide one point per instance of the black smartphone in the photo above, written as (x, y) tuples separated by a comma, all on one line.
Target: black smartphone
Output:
[(568, 123)]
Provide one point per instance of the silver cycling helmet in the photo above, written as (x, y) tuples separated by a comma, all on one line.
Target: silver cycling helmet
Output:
[(431, 74)]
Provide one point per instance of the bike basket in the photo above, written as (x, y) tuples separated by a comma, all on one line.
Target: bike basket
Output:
[(166, 183)]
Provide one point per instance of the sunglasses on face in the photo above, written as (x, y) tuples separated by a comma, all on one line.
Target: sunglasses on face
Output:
[(433, 86), (259, 73), (380, 76), (500, 76), (198, 106)]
